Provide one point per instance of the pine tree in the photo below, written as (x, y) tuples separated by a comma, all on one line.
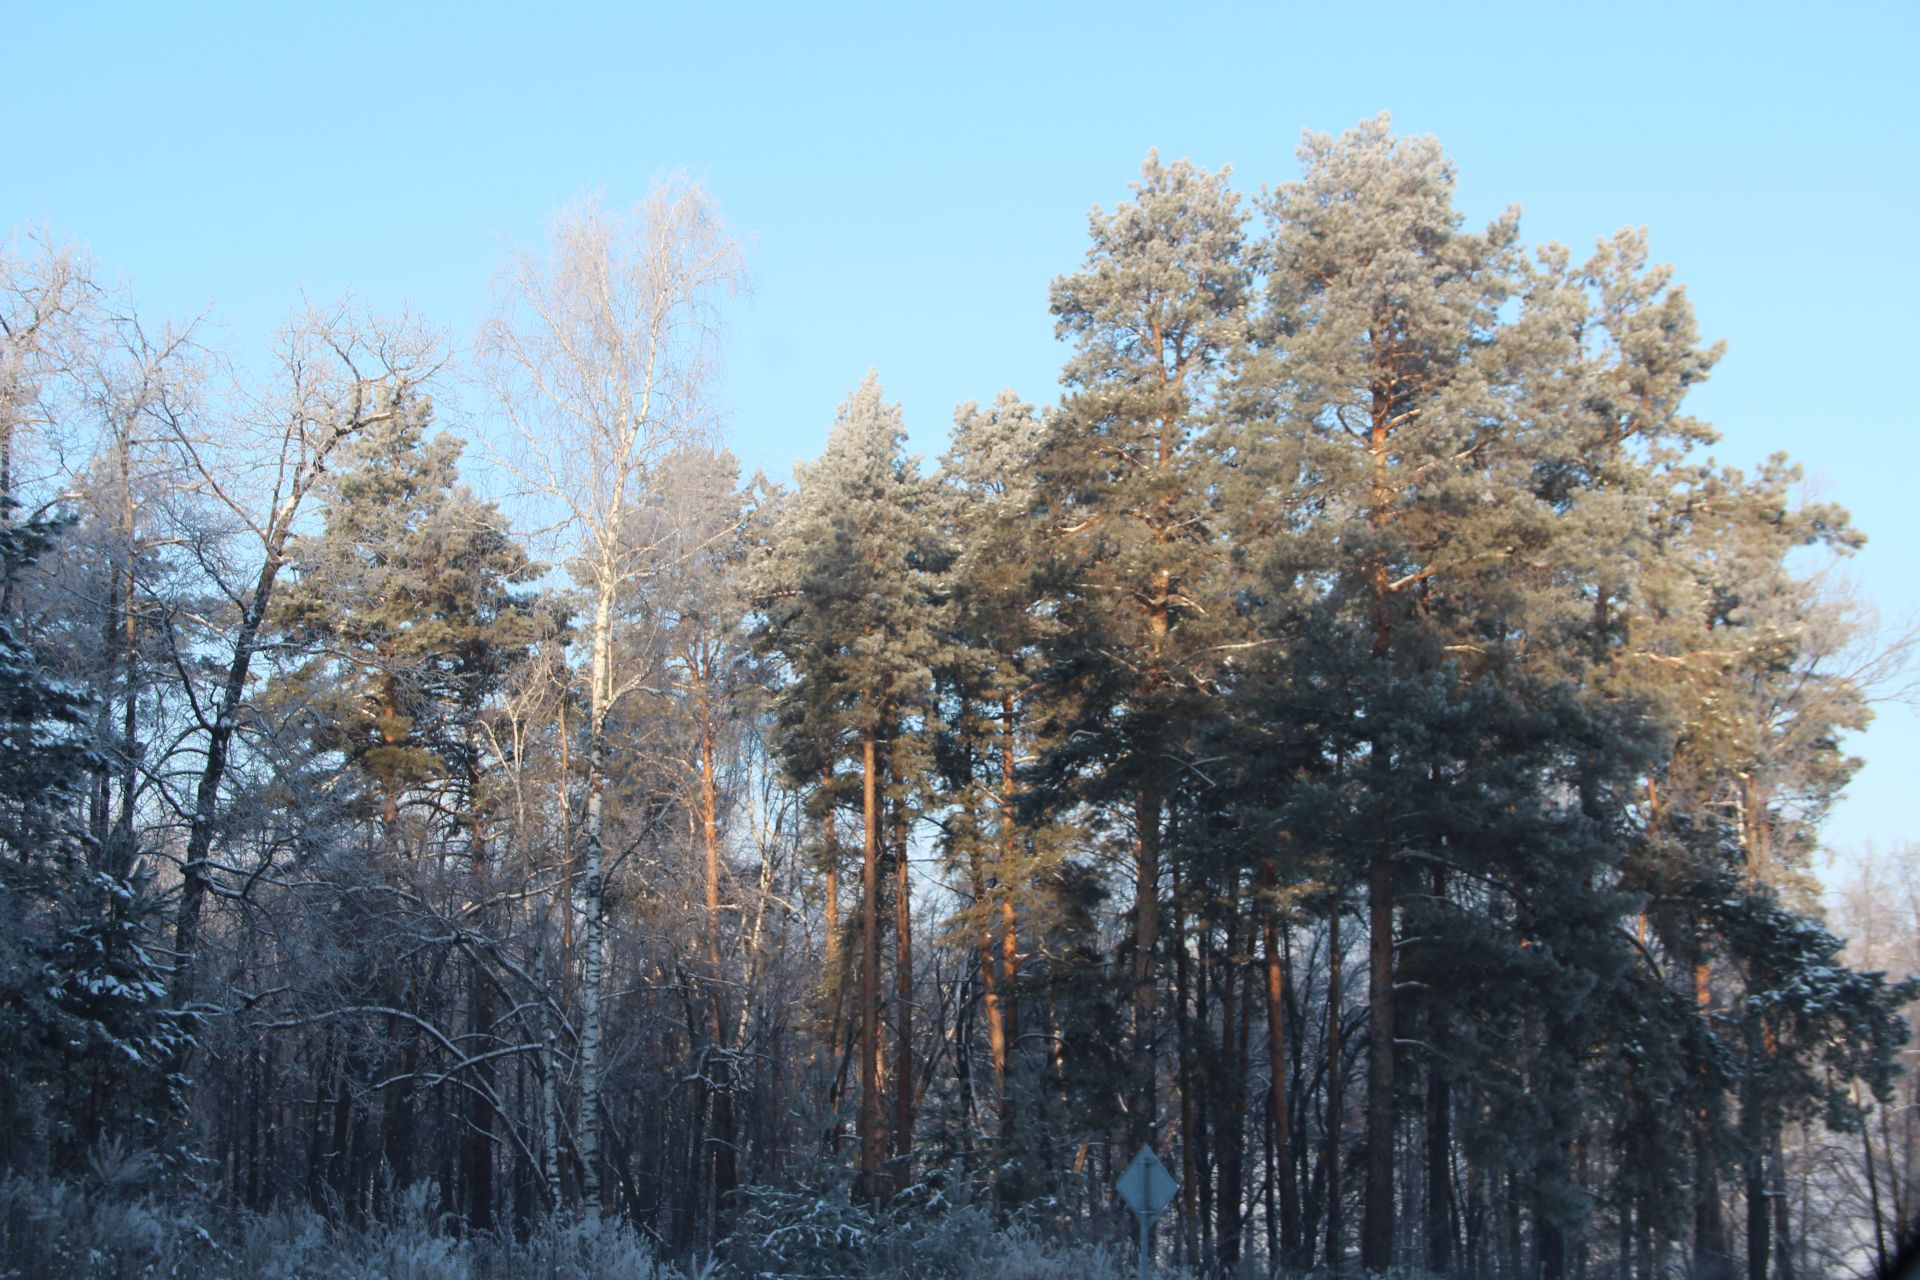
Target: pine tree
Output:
[(406, 595), (850, 599), (1748, 659), (988, 672), (1134, 580), (1382, 320), (405, 600)]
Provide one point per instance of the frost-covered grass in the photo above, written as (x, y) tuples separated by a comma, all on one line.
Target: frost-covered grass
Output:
[(111, 1229), (59, 1231), (822, 1234)]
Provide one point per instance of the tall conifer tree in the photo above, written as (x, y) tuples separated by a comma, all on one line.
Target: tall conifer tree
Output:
[(406, 602), (849, 607), (1153, 313), (1383, 311), (988, 669)]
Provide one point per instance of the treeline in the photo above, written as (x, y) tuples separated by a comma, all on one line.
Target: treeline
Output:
[(1353, 742)]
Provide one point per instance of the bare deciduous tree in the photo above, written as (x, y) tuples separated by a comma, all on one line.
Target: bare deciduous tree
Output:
[(601, 353), (255, 467), (47, 293)]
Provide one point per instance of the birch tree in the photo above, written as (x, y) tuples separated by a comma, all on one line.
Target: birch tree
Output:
[(601, 352)]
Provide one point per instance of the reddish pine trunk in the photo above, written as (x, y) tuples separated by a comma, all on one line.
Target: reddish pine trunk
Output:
[(724, 1174), (1277, 1064), (903, 1099), (870, 1136), (1009, 931)]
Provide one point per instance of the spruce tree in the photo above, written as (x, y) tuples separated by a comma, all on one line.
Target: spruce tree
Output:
[(82, 982)]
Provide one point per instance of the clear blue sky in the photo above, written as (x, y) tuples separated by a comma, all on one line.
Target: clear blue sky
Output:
[(910, 181)]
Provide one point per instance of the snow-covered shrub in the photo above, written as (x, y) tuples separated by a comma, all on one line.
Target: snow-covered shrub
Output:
[(107, 1230), (298, 1244), (812, 1232), (570, 1247), (50, 1228), (1019, 1255), (283, 1244), (965, 1246), (923, 1234)]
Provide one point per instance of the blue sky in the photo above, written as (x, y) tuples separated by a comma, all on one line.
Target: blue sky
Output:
[(910, 179)]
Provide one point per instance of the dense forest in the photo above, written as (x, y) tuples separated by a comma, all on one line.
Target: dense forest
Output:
[(1354, 739)]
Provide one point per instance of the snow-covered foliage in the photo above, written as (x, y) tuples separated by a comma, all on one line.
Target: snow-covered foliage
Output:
[(107, 1229), (920, 1235)]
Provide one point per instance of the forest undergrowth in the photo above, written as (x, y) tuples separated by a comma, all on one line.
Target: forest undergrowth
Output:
[(112, 1226)]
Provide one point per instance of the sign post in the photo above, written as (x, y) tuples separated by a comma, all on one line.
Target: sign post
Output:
[(1148, 1189)]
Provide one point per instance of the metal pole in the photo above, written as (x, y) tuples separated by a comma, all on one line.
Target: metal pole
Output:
[(1146, 1254)]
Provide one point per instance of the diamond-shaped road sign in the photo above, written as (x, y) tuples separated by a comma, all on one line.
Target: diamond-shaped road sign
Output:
[(1146, 1186)]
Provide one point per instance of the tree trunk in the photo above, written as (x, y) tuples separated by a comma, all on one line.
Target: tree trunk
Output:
[(724, 1172), (549, 1091), (831, 851), (1899, 1181), (710, 847), (1335, 1226), (986, 949), (1439, 1133), (1236, 1011), (593, 899), (1146, 928), (100, 785), (478, 1110), (1551, 1241), (1476, 1219), (478, 1174), (1187, 1083), (1277, 1064), (1753, 1125), (869, 1183), (1710, 1254), (1377, 1220), (1782, 1222), (1376, 1244), (194, 878), (1439, 1165), (1008, 1005), (130, 692), (903, 1098), (836, 975), (1873, 1198)]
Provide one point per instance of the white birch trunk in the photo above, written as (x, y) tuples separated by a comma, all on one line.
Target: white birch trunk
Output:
[(593, 903)]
